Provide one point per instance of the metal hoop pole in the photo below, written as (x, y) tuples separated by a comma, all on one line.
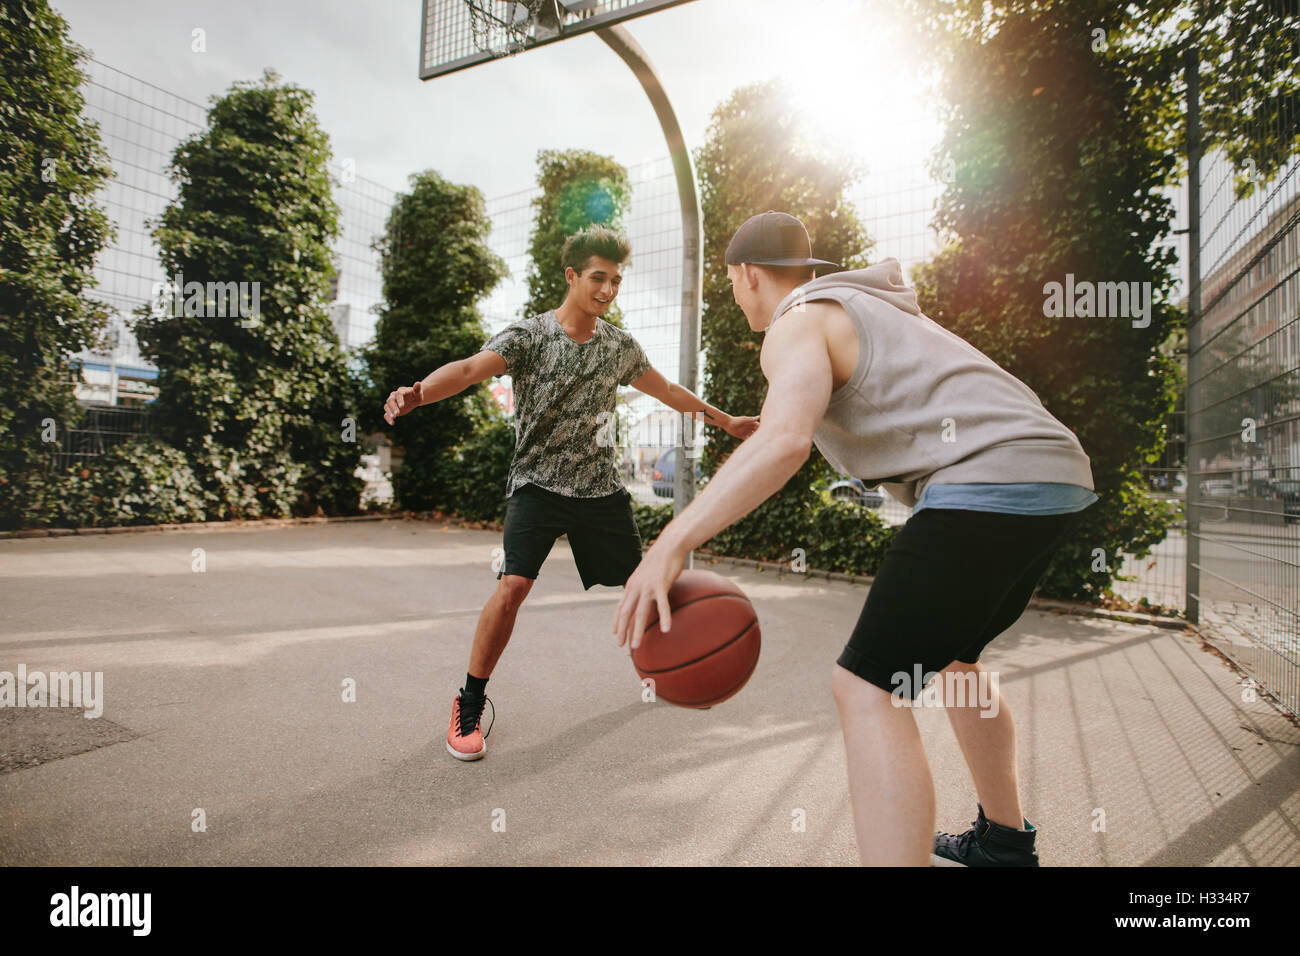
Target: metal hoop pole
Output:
[(621, 42)]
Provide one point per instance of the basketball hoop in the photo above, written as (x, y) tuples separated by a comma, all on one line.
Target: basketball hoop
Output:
[(504, 27)]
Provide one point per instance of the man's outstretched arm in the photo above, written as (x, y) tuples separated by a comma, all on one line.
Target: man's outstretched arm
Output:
[(444, 382), (682, 399)]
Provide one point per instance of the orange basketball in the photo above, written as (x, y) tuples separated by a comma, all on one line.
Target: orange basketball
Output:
[(712, 647)]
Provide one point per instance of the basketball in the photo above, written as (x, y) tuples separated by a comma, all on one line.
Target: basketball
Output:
[(712, 647)]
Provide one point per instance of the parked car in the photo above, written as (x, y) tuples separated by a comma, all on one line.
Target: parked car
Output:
[(1288, 489), (665, 474), (1261, 488), (856, 490)]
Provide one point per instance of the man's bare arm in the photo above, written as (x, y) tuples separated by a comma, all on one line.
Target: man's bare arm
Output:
[(678, 398), (444, 382)]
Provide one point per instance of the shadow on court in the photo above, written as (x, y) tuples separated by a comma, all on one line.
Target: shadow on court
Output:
[(231, 741)]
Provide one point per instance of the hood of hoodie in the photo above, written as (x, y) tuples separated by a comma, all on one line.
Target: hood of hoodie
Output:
[(884, 280)]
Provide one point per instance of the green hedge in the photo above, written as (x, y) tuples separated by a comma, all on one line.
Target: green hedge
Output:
[(834, 536), (475, 477), (141, 481), (651, 519), (146, 481)]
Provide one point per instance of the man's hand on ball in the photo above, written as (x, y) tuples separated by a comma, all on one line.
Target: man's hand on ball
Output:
[(646, 591)]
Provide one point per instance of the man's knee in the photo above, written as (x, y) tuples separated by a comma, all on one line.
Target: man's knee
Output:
[(513, 588), (964, 685)]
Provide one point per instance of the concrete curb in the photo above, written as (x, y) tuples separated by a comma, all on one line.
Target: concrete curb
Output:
[(781, 569), (209, 525)]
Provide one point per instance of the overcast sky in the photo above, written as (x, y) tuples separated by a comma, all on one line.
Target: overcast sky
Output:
[(485, 125)]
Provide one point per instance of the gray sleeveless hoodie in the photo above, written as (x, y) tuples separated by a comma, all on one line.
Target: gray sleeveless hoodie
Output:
[(925, 405)]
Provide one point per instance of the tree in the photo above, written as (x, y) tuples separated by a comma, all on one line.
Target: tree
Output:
[(1250, 88), (1054, 171), (436, 265), (1247, 50), (51, 167), (252, 383), (759, 155), (578, 188)]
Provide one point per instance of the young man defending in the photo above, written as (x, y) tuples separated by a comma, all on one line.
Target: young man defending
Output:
[(996, 482), (566, 366)]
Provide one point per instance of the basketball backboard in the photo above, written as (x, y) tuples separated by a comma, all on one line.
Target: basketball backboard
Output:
[(457, 34)]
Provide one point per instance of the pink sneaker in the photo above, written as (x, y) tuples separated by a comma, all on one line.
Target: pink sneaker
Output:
[(465, 739)]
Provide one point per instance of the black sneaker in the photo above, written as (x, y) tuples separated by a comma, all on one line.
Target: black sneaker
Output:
[(987, 844)]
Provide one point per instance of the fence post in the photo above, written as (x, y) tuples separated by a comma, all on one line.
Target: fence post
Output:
[(1193, 502)]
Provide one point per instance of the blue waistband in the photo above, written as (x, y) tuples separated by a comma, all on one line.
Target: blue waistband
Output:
[(1025, 498)]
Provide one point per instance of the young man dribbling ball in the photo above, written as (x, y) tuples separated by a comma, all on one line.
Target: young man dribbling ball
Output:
[(566, 366), (996, 482)]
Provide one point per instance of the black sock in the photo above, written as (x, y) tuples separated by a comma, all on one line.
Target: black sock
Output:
[(475, 686)]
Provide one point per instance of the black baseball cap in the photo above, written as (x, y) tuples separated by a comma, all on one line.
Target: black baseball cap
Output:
[(773, 239)]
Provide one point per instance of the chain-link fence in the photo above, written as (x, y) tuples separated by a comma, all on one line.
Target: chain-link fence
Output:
[(1243, 404), (103, 427), (141, 125), (1245, 526)]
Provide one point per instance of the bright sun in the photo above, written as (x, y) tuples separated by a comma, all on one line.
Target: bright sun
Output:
[(858, 82)]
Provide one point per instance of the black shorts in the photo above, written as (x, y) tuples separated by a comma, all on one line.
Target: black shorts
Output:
[(951, 581), (602, 534)]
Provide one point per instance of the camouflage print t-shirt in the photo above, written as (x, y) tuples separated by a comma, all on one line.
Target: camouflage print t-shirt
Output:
[(562, 441)]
